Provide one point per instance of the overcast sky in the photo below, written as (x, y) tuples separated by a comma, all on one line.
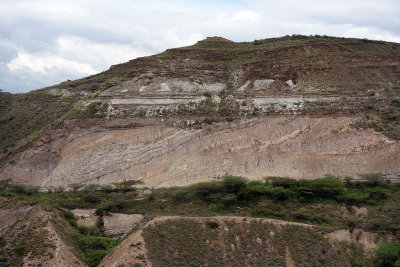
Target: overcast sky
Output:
[(49, 41)]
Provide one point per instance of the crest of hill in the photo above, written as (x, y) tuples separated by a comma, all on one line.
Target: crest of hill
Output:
[(240, 54)]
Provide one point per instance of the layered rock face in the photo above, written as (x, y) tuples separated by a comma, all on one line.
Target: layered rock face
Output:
[(164, 155), (284, 107)]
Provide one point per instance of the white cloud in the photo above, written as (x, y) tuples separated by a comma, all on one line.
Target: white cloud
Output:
[(99, 55), (76, 53), (42, 64), (244, 16), (53, 40)]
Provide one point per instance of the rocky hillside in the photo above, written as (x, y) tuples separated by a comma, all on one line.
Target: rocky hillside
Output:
[(294, 106)]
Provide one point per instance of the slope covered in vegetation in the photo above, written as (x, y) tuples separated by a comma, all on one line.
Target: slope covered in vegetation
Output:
[(328, 203)]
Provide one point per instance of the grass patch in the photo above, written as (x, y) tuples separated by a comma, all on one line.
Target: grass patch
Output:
[(238, 243)]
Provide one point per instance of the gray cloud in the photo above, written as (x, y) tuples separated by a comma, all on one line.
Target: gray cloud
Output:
[(49, 41)]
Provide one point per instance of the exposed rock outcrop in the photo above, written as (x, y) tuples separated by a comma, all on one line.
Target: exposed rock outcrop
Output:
[(164, 155)]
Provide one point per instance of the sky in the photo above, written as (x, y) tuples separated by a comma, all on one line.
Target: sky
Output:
[(46, 42)]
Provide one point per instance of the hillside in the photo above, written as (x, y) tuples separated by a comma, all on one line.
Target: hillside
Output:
[(294, 106), (231, 222)]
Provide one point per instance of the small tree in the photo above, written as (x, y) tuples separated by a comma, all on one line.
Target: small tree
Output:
[(233, 184), (75, 186), (59, 189), (91, 188), (348, 179), (373, 178), (127, 185)]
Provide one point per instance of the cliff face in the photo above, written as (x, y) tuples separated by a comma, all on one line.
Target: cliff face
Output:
[(163, 155), (282, 107)]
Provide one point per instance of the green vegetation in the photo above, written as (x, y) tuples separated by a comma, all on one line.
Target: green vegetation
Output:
[(88, 242), (29, 241), (381, 114), (97, 109), (327, 202), (387, 255), (386, 116), (234, 55), (240, 242), (319, 201), (24, 117), (29, 238), (207, 94)]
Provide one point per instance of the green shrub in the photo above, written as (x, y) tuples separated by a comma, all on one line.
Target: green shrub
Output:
[(179, 195), (354, 198), (107, 189), (97, 109), (91, 188), (93, 257), (92, 197), (212, 224), (70, 217), (17, 188), (205, 189), (390, 116), (30, 190), (279, 193), (76, 186), (99, 223), (281, 181), (261, 212), (95, 248), (89, 230), (209, 120), (207, 94), (20, 250), (228, 200), (373, 179), (323, 188), (58, 189), (387, 254), (112, 206), (302, 214), (353, 221), (127, 185), (233, 184)]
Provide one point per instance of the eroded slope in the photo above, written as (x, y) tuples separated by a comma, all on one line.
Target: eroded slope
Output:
[(28, 238), (165, 155)]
